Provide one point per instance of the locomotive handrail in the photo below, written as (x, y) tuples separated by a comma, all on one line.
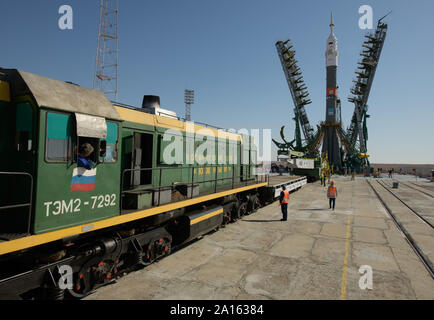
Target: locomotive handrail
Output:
[(29, 204), (215, 180)]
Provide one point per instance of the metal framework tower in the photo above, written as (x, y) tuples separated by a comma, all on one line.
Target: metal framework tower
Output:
[(106, 64), (189, 100), (296, 85), (300, 97), (370, 56)]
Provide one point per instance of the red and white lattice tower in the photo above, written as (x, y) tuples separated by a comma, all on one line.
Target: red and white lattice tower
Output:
[(106, 64)]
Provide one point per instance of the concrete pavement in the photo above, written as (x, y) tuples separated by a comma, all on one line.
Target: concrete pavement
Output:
[(316, 254)]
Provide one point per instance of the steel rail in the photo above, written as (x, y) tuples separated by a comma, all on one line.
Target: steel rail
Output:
[(417, 189), (425, 261), (403, 202)]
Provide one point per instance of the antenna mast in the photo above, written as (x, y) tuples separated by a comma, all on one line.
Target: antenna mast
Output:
[(106, 64)]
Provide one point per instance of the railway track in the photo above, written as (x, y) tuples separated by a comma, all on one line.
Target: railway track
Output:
[(407, 185), (404, 203), (410, 240)]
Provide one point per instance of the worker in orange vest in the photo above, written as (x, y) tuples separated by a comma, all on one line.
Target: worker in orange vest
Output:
[(332, 194), (284, 199)]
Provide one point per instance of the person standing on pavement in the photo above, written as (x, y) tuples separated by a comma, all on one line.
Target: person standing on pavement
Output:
[(332, 194), (284, 199)]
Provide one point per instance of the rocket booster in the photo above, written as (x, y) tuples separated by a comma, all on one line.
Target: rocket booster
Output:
[(331, 55)]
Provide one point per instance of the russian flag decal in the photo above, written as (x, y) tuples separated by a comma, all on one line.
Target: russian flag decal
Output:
[(83, 179)]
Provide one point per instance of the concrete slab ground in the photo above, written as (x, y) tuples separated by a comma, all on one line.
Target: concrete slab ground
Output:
[(316, 254)]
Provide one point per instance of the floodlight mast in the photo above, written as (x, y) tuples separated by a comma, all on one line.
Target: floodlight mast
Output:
[(188, 100)]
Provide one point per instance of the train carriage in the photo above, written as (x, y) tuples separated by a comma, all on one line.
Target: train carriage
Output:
[(151, 186)]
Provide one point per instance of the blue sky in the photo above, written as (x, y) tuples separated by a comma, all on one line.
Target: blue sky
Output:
[(224, 50)]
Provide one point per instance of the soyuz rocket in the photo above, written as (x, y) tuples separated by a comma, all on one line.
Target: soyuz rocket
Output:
[(330, 140)]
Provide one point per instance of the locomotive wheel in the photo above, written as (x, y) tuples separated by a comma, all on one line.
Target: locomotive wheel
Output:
[(91, 277), (254, 204), (227, 217), (82, 288), (241, 210)]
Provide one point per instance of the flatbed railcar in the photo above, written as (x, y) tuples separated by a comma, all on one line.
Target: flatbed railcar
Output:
[(67, 230), (276, 182)]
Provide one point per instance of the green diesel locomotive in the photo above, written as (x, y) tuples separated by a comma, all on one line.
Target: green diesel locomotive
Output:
[(154, 182)]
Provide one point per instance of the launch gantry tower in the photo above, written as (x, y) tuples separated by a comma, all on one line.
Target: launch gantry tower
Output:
[(300, 97), (357, 132), (354, 139)]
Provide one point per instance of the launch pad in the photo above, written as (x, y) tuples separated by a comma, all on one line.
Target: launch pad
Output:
[(341, 149)]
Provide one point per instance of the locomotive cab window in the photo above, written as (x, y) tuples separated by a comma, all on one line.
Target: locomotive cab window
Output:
[(108, 152), (96, 140), (58, 137), (91, 138), (24, 127)]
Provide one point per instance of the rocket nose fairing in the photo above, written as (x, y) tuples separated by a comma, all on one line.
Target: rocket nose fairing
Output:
[(332, 47)]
